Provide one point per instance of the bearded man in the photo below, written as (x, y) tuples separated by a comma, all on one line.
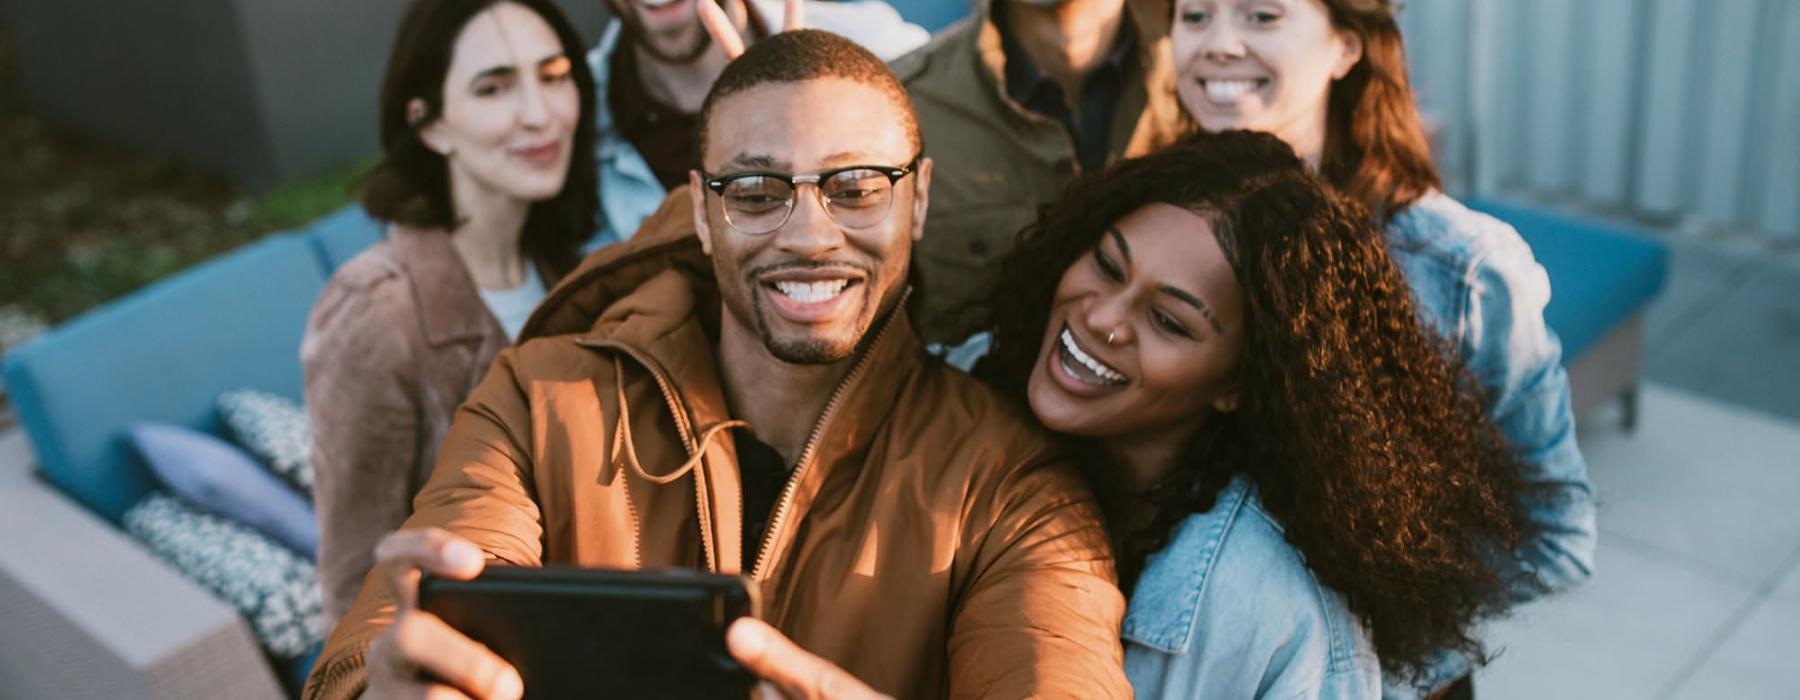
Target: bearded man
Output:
[(653, 66), (739, 389)]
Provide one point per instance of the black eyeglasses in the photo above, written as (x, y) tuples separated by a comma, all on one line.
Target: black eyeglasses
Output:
[(857, 196)]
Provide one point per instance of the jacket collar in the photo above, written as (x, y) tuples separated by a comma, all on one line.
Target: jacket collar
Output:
[(1166, 599), (450, 307)]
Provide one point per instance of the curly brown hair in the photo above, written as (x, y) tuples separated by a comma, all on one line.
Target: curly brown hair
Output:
[(1361, 432)]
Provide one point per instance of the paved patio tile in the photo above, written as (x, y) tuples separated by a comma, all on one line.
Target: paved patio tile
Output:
[(1712, 483), (1758, 659), (1743, 348), (1789, 587), (1700, 275), (1628, 634)]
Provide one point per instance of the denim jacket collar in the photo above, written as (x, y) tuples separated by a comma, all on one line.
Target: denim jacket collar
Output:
[(1179, 572)]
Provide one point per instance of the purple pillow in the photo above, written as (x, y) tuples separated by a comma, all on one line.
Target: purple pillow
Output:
[(219, 478)]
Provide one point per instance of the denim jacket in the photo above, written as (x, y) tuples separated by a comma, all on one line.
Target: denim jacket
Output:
[(1229, 610), (629, 191), (1477, 284)]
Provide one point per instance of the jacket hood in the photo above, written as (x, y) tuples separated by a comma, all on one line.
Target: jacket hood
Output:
[(665, 242)]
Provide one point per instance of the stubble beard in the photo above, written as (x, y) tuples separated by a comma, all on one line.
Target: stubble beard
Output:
[(810, 350)]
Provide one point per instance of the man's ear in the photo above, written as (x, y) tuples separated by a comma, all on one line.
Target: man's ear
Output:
[(431, 134), (921, 197), (697, 195), (1351, 53)]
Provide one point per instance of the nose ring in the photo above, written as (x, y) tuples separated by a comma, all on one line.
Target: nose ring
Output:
[(1110, 335)]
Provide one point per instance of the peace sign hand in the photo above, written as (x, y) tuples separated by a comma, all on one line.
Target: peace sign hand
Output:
[(725, 33)]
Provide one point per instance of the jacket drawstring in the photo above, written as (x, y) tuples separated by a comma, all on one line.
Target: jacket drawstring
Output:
[(622, 447)]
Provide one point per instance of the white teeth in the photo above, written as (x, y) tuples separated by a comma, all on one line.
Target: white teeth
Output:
[(1100, 370), (1227, 90), (812, 292)]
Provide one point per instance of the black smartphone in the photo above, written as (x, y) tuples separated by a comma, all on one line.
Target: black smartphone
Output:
[(580, 633)]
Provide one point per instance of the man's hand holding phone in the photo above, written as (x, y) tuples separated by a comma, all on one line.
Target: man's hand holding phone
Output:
[(419, 656), (787, 671)]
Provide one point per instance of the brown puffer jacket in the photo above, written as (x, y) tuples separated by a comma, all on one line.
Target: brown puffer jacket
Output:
[(929, 541)]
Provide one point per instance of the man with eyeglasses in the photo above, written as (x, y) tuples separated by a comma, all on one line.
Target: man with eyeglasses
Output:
[(652, 67), (739, 389)]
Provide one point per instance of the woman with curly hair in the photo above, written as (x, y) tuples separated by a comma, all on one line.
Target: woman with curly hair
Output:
[(1298, 478), (1330, 78)]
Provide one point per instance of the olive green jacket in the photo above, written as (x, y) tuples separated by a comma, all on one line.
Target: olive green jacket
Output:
[(997, 163)]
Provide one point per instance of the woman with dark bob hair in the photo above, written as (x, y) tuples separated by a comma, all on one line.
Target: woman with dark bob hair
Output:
[(1301, 485), (1330, 78), (487, 189)]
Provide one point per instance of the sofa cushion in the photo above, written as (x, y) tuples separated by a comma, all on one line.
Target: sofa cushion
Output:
[(342, 234), (272, 429), (220, 479), (275, 589), (1600, 273), (162, 354)]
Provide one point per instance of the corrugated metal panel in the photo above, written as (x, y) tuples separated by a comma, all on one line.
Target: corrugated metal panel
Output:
[(1662, 159), (1726, 86), (1611, 86), (1779, 200), (1551, 102), (1672, 108)]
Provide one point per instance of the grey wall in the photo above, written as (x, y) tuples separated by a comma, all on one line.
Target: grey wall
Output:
[(1679, 110), (262, 91), (162, 77)]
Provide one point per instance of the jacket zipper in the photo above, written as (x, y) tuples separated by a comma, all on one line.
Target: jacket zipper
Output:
[(687, 440), (761, 570)]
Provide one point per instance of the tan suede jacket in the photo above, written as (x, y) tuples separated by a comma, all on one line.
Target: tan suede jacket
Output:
[(997, 163), (395, 342), (929, 539)]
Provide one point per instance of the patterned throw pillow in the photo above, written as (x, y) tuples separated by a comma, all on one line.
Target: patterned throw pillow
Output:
[(274, 430), (274, 588)]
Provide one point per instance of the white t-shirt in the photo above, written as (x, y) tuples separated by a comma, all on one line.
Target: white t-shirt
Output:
[(513, 306)]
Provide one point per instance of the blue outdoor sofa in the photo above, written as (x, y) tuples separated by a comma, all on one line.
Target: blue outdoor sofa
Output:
[(165, 354), (89, 614), (1602, 277)]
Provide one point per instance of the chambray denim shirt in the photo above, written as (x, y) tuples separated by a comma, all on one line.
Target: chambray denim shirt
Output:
[(1477, 284), (629, 191), (1229, 610)]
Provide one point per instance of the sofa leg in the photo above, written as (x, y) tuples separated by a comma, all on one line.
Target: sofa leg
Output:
[(1629, 401)]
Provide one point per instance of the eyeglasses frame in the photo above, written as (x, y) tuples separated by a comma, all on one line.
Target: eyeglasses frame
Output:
[(717, 184)]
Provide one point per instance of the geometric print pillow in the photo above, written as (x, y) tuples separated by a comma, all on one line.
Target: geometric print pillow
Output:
[(271, 586), (272, 429)]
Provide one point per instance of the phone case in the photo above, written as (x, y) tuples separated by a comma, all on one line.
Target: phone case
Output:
[(580, 633)]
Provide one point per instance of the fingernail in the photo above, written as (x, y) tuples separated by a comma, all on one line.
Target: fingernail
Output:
[(747, 638), (463, 556), (508, 685)]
